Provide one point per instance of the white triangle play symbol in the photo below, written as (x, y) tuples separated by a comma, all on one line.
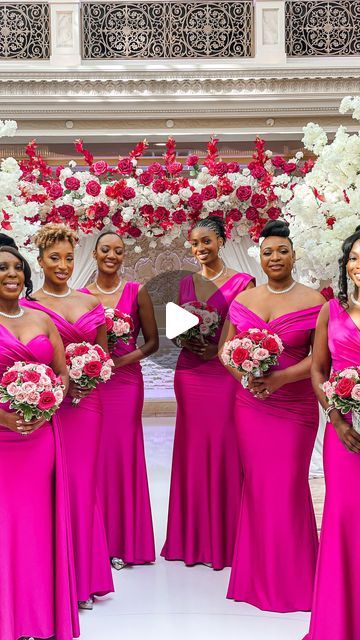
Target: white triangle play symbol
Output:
[(178, 320)]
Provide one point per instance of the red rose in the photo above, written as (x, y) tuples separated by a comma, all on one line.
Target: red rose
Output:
[(125, 166), (80, 350), (134, 232), (72, 183), (257, 171), (47, 401), (66, 211), (109, 323), (252, 213), (243, 193), (278, 161), (192, 160), (174, 167), (161, 213), (30, 376), (92, 369), (101, 210), (129, 193), (179, 216), (220, 168), (59, 169), (147, 210), (274, 213), (155, 168), (239, 355), (51, 374), (257, 336), (145, 178), (328, 293), (100, 351), (233, 167), (195, 201), (8, 377), (271, 345), (54, 190), (258, 200), (209, 192), (289, 167), (344, 387), (93, 188), (159, 186), (100, 167)]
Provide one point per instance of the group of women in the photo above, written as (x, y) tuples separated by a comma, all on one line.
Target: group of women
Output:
[(74, 492)]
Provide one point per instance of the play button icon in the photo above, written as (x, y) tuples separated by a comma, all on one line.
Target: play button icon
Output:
[(178, 320)]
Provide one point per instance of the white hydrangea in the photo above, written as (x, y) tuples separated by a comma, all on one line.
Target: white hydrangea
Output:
[(8, 128), (314, 138)]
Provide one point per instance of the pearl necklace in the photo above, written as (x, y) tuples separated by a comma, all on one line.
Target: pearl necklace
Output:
[(9, 315), (282, 290), (354, 300), (57, 295), (216, 276), (108, 293)]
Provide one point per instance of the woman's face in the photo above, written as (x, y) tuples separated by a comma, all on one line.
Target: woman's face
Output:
[(12, 277), (58, 262), (109, 253), (277, 257), (205, 245), (353, 264)]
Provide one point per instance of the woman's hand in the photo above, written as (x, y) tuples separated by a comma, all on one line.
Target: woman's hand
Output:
[(348, 436), (17, 424), (195, 345), (78, 392), (264, 386)]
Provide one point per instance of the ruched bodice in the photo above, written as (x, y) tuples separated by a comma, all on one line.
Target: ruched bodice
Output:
[(344, 337)]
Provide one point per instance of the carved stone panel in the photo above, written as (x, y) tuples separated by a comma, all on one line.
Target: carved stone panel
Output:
[(25, 31)]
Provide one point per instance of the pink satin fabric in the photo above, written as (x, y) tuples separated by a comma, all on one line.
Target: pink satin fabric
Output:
[(81, 434), (206, 474), (37, 585), (336, 611), (276, 545), (123, 483)]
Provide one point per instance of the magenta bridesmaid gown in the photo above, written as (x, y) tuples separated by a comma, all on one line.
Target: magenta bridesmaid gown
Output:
[(123, 483), (81, 434), (336, 610), (206, 476), (276, 544), (37, 580)]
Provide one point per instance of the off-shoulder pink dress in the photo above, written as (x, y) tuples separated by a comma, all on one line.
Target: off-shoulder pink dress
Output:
[(206, 476), (123, 480), (276, 546), (81, 434), (336, 610), (37, 580)]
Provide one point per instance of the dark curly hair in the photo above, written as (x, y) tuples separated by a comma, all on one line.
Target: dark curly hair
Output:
[(213, 223), (25, 266), (343, 261), (276, 228)]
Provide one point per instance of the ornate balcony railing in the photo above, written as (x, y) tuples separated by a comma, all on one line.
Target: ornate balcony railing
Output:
[(322, 28), (25, 30), (167, 29)]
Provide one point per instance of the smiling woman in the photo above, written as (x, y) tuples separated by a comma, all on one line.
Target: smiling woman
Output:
[(33, 482)]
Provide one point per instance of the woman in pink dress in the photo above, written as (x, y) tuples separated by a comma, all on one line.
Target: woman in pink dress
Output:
[(335, 610), (274, 560), (206, 474), (123, 480), (37, 585), (78, 318)]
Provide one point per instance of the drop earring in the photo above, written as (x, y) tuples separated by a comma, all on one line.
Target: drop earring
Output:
[(122, 270)]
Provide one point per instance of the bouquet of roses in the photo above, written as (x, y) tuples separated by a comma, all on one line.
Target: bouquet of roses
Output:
[(88, 364), (209, 320), (343, 392), (252, 352), (32, 389), (119, 326)]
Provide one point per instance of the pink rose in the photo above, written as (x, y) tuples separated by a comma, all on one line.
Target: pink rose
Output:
[(47, 401), (12, 389), (192, 160), (100, 167), (258, 201), (54, 190), (75, 373), (72, 183), (355, 394), (125, 166), (8, 377), (243, 193), (33, 397), (260, 354), (93, 188), (174, 167), (248, 366)]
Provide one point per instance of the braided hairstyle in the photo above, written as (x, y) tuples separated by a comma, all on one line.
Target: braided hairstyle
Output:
[(25, 267), (276, 228), (343, 261), (49, 234), (106, 233), (213, 223)]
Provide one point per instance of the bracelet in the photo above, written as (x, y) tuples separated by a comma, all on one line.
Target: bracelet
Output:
[(330, 408)]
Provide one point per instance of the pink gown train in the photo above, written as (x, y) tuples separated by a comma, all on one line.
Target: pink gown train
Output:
[(37, 580), (81, 434), (336, 610), (206, 474), (276, 544), (123, 484)]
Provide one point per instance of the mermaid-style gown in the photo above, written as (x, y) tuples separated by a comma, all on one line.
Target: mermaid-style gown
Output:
[(81, 434), (37, 583), (123, 484), (206, 474), (335, 610), (276, 544)]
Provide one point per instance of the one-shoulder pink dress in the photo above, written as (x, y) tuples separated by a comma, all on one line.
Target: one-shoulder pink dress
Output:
[(336, 610), (81, 433), (37, 580), (276, 544), (123, 483), (206, 476)]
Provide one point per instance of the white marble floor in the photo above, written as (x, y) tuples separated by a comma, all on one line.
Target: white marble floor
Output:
[(170, 601)]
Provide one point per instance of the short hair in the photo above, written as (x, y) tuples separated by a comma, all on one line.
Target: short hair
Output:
[(107, 233), (49, 234)]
